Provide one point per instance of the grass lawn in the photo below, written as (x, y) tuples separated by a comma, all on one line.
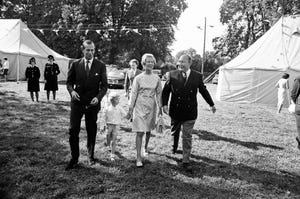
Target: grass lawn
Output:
[(241, 151)]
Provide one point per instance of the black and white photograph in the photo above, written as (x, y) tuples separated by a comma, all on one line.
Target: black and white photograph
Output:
[(154, 99)]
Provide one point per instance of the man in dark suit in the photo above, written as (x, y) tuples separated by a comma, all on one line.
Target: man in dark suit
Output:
[(87, 84), (184, 84)]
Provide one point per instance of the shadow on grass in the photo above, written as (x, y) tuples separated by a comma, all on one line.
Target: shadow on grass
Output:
[(157, 180), (34, 155), (214, 168), (209, 136)]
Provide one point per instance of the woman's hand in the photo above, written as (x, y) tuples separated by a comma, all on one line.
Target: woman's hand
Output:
[(160, 111), (129, 114)]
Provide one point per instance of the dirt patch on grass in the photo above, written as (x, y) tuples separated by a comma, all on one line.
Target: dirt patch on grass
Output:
[(242, 151)]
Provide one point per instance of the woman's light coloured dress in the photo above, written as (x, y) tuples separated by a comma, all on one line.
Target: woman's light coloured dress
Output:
[(283, 86), (145, 97)]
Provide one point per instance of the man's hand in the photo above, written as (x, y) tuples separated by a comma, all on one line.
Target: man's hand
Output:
[(94, 101), (166, 109), (75, 96), (213, 109)]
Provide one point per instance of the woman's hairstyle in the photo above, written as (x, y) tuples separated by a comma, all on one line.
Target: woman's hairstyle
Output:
[(285, 76), (134, 61), (147, 55), (51, 57), (31, 60)]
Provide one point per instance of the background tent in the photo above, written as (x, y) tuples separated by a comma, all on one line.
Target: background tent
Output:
[(251, 76), (19, 44)]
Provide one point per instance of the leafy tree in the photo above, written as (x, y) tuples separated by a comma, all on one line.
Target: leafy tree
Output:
[(127, 27), (247, 20), (131, 27)]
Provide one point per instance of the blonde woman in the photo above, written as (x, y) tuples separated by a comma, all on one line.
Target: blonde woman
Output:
[(145, 97)]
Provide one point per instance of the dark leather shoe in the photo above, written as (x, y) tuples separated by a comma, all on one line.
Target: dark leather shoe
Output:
[(93, 161), (187, 167), (71, 165), (174, 151), (298, 141)]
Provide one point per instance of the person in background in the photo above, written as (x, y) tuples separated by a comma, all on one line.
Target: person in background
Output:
[(87, 84), (144, 100), (283, 87), (50, 75), (165, 68), (32, 74), (294, 98), (113, 118), (5, 68), (130, 75), (184, 84), (1, 68)]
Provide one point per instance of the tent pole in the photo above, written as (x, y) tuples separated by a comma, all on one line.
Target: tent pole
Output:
[(18, 68)]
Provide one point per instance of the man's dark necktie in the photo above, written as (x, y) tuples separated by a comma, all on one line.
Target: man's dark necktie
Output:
[(184, 76), (87, 69)]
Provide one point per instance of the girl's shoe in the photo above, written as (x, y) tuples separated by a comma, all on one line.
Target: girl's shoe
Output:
[(112, 157), (145, 154), (139, 164)]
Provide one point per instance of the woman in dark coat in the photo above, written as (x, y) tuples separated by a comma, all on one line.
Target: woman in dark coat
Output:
[(32, 75), (50, 75)]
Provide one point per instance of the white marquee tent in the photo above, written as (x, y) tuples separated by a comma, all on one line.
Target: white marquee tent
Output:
[(252, 75), (19, 44)]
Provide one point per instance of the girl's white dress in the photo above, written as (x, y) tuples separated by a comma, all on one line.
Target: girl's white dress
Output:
[(145, 97)]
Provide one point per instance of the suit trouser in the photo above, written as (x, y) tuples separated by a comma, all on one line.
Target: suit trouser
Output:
[(298, 124), (77, 111), (175, 129), (187, 131)]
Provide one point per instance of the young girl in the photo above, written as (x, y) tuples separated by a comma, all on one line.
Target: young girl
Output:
[(113, 117)]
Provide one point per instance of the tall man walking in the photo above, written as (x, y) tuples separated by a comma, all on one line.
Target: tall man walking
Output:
[(184, 84), (87, 84)]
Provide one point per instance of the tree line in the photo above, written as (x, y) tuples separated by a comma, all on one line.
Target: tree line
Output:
[(126, 29), (120, 29), (247, 21)]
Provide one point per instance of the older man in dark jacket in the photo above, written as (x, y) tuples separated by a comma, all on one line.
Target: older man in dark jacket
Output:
[(87, 84), (184, 85), (294, 97)]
